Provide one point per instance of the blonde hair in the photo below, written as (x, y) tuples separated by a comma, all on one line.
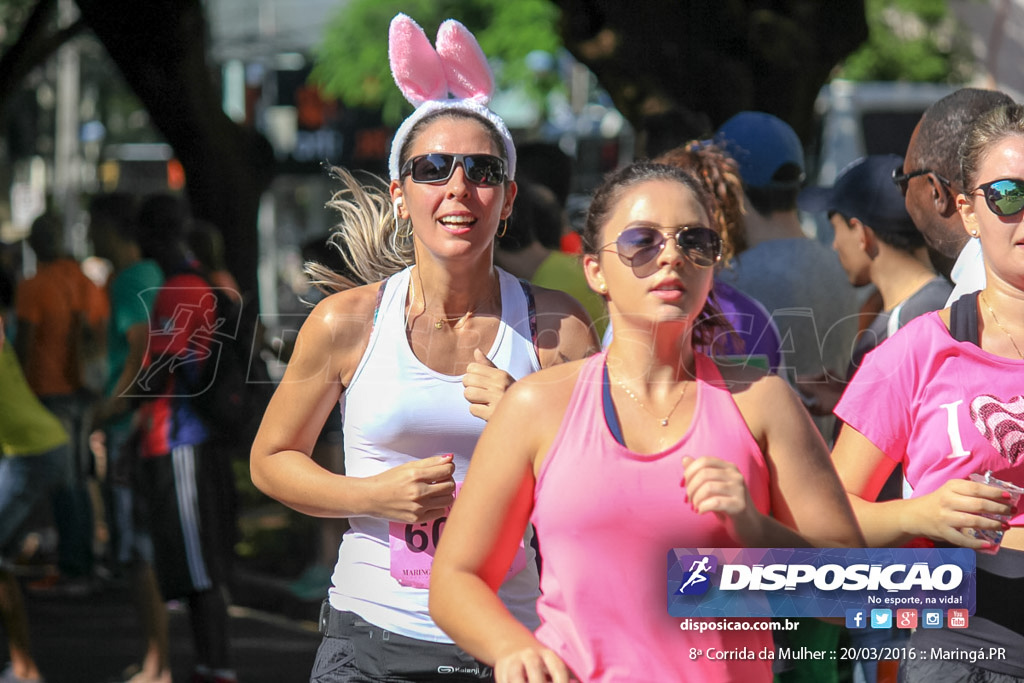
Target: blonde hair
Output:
[(367, 235)]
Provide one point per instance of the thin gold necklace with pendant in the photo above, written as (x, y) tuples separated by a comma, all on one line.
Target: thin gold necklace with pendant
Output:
[(440, 321), (662, 420), (1009, 336)]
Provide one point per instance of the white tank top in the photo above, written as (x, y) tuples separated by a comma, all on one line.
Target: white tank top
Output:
[(396, 410)]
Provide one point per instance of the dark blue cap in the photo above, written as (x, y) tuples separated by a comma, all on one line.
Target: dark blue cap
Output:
[(761, 144), (864, 190)]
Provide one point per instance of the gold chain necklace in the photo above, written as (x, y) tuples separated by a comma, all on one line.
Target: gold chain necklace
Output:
[(440, 321), (662, 420), (1000, 325)]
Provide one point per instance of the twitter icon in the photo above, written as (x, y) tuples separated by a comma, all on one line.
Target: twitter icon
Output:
[(881, 618)]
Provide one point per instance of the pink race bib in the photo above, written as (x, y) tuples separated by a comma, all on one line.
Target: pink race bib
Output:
[(413, 547)]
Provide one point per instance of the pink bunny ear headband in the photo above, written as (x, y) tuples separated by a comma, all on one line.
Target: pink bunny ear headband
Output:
[(427, 76)]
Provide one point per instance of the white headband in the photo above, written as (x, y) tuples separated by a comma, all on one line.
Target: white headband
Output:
[(429, 79)]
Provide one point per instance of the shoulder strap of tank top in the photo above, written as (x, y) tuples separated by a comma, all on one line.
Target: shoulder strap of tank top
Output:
[(380, 297), (963, 319), (608, 407), (531, 311)]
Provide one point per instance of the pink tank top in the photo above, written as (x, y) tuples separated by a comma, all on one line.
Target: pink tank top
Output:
[(606, 518)]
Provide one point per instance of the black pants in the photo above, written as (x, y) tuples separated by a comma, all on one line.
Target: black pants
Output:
[(355, 651)]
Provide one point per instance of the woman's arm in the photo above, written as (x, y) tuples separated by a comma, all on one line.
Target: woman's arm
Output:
[(481, 537), (941, 515), (807, 499), (327, 351)]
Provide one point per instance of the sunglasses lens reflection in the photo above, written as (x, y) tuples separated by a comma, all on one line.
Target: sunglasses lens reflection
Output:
[(1005, 197), (703, 246), (432, 168), (638, 249), (485, 169)]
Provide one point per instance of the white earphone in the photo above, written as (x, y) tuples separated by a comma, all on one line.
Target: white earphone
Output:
[(394, 213)]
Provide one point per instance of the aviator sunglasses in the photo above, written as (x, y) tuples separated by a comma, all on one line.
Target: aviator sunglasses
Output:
[(638, 247), (1005, 197), (437, 167)]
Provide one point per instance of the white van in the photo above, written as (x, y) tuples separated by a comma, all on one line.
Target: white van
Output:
[(854, 119)]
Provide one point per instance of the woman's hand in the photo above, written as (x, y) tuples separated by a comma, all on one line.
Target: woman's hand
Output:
[(714, 485), (531, 665), (946, 513), (418, 491), (485, 385)]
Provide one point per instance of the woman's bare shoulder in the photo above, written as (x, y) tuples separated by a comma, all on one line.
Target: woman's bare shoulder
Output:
[(757, 391), (351, 309), (545, 389), (565, 330), (338, 328), (741, 378)]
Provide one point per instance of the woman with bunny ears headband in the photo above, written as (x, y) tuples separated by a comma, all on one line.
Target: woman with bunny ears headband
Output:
[(417, 362)]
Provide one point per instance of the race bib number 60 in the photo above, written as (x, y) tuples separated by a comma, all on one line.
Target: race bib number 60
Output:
[(413, 547)]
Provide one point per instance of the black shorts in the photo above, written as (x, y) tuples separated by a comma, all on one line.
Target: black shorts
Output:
[(950, 672), (355, 651), (996, 629), (180, 497)]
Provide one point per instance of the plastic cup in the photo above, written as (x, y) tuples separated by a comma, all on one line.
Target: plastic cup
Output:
[(995, 538)]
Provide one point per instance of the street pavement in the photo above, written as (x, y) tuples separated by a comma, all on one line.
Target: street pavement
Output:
[(93, 639)]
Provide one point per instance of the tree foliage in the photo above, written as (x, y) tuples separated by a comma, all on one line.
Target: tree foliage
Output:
[(352, 61), (911, 40)]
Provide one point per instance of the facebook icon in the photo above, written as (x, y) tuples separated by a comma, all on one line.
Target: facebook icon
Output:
[(856, 618)]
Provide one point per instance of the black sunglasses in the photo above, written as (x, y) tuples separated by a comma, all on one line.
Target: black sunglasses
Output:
[(482, 169), (902, 180), (638, 247), (1005, 197)]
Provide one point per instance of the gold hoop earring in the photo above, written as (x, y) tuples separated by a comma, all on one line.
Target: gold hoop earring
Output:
[(398, 229), (504, 229)]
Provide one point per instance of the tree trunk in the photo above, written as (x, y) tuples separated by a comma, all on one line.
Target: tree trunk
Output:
[(160, 48)]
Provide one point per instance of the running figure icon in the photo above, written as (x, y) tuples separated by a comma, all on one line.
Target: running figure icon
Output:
[(697, 570)]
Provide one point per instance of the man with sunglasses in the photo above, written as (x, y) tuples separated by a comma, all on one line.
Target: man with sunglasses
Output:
[(930, 182)]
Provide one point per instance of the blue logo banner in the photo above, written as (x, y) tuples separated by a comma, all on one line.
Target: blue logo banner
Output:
[(850, 583)]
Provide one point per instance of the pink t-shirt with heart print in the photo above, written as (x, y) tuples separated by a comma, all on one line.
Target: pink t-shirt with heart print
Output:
[(944, 409)]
